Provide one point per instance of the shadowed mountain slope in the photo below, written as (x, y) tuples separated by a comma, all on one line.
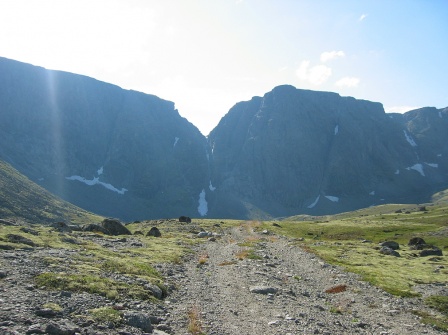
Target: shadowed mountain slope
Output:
[(21, 198), (111, 151), (298, 151), (131, 155)]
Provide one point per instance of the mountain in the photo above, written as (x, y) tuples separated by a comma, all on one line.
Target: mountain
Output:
[(299, 151), (111, 151), (21, 198), (130, 155)]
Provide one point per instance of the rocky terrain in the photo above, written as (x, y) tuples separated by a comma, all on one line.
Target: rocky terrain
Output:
[(272, 286)]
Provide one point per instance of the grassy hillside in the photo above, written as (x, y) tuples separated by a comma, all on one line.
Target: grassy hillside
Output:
[(21, 198)]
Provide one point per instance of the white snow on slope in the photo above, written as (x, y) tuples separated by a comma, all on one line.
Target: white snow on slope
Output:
[(440, 114), (336, 129), (417, 167), (315, 202), (210, 186), (176, 139), (372, 193), (434, 165), (96, 181), (409, 139), (203, 207), (332, 198), (439, 155), (397, 172), (100, 171)]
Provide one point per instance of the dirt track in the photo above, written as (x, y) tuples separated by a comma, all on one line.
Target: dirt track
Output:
[(217, 294)]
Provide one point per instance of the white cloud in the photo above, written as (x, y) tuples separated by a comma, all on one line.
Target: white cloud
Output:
[(400, 109), (348, 82), (315, 75), (362, 17), (329, 55)]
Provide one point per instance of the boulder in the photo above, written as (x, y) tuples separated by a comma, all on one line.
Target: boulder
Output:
[(184, 219), (203, 234), (139, 320), (434, 251), (390, 244), (389, 251), (416, 241), (154, 231), (61, 227), (114, 227), (94, 228)]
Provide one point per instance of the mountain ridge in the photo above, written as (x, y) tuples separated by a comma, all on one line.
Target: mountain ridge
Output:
[(130, 155)]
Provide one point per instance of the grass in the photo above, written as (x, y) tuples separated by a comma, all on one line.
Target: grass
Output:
[(339, 240), (194, 321), (106, 315), (53, 306)]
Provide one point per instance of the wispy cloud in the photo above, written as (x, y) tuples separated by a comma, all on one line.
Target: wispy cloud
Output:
[(348, 82), (329, 55), (315, 75), (362, 17)]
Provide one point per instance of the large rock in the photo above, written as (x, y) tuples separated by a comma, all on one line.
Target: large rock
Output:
[(155, 232), (138, 320), (390, 244), (389, 251), (114, 227)]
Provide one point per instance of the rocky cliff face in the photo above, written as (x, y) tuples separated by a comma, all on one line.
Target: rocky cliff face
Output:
[(316, 152), (112, 151), (130, 155)]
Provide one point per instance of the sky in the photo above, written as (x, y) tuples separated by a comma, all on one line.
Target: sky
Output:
[(207, 55)]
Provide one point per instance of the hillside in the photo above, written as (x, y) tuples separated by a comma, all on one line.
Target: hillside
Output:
[(20, 198)]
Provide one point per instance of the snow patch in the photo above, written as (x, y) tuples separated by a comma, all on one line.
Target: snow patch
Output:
[(417, 167), (176, 139), (210, 186), (409, 139), (372, 193), (41, 179), (439, 155), (434, 165), (397, 172), (332, 198), (203, 207), (440, 114), (336, 129), (315, 202), (100, 171), (96, 181)]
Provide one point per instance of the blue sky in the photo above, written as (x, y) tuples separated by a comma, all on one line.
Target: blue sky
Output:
[(206, 55)]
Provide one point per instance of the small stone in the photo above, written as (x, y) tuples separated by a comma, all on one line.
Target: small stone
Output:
[(263, 289)]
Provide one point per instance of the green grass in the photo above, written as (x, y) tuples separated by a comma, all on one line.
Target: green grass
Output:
[(338, 240), (106, 315)]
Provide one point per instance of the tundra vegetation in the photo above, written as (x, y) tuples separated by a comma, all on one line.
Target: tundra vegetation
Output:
[(350, 240)]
